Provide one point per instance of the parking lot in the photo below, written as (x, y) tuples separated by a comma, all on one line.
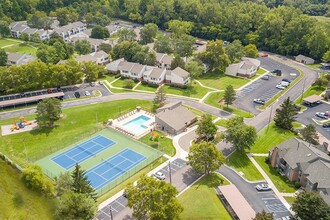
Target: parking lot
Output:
[(69, 93), (309, 114), (263, 89), (120, 203)]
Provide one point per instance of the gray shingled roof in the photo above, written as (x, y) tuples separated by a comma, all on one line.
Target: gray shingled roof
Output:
[(156, 73), (137, 68), (164, 58), (126, 66), (319, 172), (180, 72), (176, 117)]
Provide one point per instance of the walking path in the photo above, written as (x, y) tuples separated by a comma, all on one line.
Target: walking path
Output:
[(269, 181)]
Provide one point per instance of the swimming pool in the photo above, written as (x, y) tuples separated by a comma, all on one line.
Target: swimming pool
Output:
[(136, 125)]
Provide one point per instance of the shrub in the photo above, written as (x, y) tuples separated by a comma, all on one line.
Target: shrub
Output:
[(297, 184), (128, 83), (267, 160)]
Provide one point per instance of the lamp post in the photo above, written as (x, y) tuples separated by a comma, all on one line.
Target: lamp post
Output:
[(111, 217)]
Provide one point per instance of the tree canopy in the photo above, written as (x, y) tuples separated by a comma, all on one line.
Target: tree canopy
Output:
[(285, 115), (206, 128), (48, 111), (100, 32), (215, 56), (3, 57), (230, 95)]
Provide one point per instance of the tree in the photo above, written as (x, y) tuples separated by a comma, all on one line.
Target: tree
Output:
[(128, 83), (177, 62), (148, 33), (206, 128), (215, 56), (230, 95), (63, 184), (35, 38), (195, 69), (309, 134), (263, 216), (240, 135), (64, 16), (83, 47), (75, 206), (3, 57), (310, 205), (285, 115), (160, 97), (126, 34), (205, 157), (153, 199), (100, 32), (105, 47), (4, 29), (326, 57), (251, 51), (92, 71), (48, 54), (48, 111), (35, 179), (24, 37), (183, 45), (235, 51), (81, 184), (163, 44), (180, 28)]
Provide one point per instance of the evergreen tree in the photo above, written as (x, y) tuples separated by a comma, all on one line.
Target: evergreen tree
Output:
[(81, 184), (3, 57), (160, 97), (309, 134), (285, 116), (230, 95)]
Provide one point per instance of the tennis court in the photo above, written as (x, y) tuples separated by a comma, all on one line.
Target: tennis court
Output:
[(82, 151), (114, 167)]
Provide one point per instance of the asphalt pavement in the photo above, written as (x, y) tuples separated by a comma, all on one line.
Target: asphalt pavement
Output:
[(263, 89)]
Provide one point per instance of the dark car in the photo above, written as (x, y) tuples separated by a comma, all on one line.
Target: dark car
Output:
[(77, 95), (326, 125), (277, 72), (286, 80)]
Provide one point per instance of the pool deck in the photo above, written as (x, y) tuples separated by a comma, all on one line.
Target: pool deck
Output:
[(119, 123)]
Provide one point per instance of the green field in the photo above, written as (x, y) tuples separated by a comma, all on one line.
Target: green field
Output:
[(120, 83), (18, 202), (193, 91), (77, 123), (281, 182), (22, 48), (289, 199), (147, 88), (220, 81), (201, 202), (164, 144), (270, 137), (241, 163), (222, 122), (213, 99), (6, 42)]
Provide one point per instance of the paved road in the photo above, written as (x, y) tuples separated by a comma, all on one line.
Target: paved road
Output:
[(309, 114), (258, 200), (263, 89)]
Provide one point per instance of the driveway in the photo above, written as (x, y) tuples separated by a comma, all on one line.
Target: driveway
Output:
[(258, 200), (182, 176), (263, 89), (309, 114)]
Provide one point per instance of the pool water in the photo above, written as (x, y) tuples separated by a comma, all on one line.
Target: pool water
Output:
[(137, 124)]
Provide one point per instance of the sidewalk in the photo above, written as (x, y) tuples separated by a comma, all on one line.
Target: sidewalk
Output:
[(269, 181)]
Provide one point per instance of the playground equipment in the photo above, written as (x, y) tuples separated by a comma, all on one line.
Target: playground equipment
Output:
[(20, 125)]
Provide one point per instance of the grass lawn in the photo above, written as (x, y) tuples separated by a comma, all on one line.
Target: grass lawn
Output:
[(220, 81), (165, 144), (315, 66), (133, 178), (76, 124), (222, 123), (17, 201), (146, 88), (120, 83), (194, 91), (201, 202), (281, 182), (289, 199), (213, 99), (258, 73), (22, 48), (108, 77), (241, 163), (268, 138), (313, 90), (6, 42)]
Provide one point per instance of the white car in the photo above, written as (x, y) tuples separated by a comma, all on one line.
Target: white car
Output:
[(259, 101), (279, 86), (263, 187), (87, 93), (321, 115), (159, 175)]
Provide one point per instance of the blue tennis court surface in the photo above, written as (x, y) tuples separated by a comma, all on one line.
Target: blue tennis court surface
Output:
[(113, 167), (82, 151)]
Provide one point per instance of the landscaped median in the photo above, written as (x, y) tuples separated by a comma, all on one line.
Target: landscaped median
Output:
[(200, 201), (275, 97)]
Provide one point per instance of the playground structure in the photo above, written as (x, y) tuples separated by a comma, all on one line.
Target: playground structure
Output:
[(20, 125)]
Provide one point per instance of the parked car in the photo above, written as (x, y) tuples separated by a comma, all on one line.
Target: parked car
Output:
[(277, 72), (321, 115), (263, 187), (279, 86), (159, 175), (286, 80), (265, 77), (101, 82), (49, 91), (327, 125), (77, 94), (92, 83), (87, 93), (264, 55), (259, 101)]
